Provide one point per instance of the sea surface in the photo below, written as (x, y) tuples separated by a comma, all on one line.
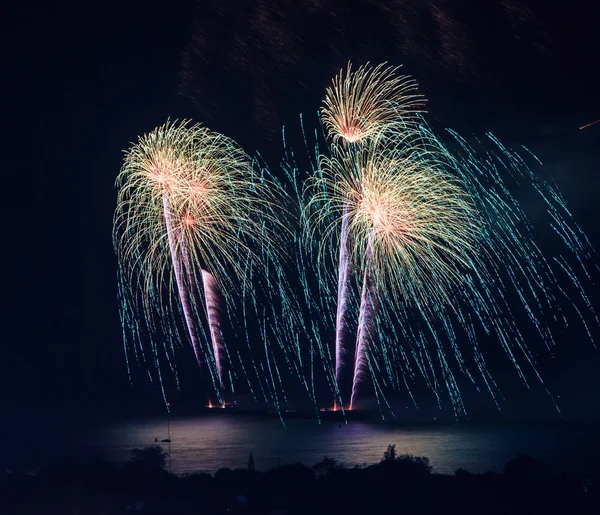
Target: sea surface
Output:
[(206, 443)]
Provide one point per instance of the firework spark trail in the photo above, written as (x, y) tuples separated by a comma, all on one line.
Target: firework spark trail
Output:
[(364, 324), (183, 296), (211, 296), (342, 299)]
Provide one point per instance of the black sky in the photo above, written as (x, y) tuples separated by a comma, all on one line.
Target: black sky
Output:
[(83, 81)]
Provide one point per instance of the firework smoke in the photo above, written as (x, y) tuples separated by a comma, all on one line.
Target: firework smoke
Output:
[(212, 314), (342, 297)]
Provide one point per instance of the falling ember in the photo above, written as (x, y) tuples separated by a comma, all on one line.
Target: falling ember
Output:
[(588, 125)]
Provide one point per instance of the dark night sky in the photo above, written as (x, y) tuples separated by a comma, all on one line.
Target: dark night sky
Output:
[(83, 82)]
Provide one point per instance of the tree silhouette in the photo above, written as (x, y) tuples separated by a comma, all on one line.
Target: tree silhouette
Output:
[(525, 467), (149, 458), (326, 466), (390, 454), (404, 465)]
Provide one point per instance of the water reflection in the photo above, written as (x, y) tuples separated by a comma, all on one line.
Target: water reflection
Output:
[(207, 443)]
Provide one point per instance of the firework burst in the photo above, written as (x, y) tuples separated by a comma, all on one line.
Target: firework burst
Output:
[(420, 244), (358, 107), (413, 228), (190, 211), (404, 208), (444, 257), (361, 103)]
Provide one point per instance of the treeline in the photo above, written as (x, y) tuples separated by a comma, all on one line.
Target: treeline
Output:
[(402, 484)]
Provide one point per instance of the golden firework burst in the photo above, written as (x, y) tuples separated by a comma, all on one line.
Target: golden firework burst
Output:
[(363, 102)]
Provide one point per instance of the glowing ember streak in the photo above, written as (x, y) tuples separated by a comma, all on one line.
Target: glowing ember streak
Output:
[(212, 310)]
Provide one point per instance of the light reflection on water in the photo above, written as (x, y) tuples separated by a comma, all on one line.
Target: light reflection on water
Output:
[(207, 443)]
